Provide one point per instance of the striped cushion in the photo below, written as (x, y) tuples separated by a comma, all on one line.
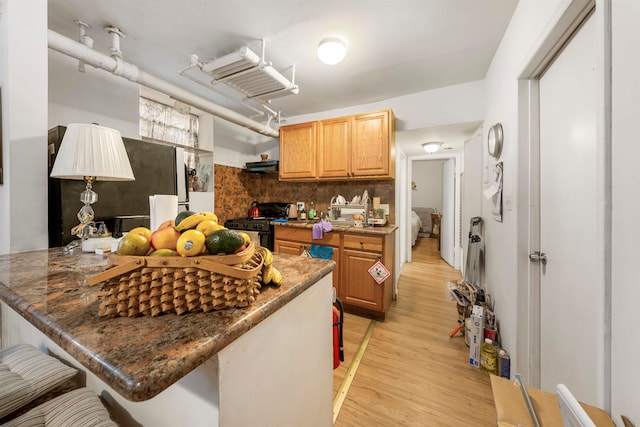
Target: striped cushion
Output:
[(27, 373), (77, 408)]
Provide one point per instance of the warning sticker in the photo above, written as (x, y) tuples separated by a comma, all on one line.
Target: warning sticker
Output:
[(379, 272)]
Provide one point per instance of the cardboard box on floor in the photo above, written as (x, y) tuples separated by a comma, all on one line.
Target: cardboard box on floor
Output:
[(512, 409)]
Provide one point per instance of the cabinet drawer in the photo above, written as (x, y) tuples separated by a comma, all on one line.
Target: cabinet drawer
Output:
[(304, 235), (365, 243)]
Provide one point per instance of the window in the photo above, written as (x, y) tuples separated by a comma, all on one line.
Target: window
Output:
[(161, 122)]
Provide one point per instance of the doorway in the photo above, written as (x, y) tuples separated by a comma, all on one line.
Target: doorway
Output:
[(442, 175)]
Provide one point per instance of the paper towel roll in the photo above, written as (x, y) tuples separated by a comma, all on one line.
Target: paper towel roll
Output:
[(376, 203), (161, 208)]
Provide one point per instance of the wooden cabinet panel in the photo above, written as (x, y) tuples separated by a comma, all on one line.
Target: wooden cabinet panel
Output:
[(285, 247), (359, 288), (298, 151), (370, 145), (334, 148), (363, 243)]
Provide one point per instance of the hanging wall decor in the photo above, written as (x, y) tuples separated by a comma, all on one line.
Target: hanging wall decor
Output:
[(493, 192)]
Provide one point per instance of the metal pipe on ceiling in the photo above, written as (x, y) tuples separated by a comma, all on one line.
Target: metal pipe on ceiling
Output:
[(131, 72)]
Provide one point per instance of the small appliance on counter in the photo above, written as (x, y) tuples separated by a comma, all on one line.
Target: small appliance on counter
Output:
[(379, 218)]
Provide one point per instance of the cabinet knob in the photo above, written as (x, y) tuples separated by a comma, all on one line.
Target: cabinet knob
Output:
[(361, 243)]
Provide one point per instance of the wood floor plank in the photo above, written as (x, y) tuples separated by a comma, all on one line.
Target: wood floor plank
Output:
[(413, 373)]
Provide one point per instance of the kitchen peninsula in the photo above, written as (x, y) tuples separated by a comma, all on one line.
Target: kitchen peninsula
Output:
[(267, 364)]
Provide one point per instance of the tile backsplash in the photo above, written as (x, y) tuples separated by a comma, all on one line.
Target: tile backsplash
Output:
[(236, 190)]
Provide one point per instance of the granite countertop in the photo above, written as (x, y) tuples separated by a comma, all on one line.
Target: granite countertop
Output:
[(378, 230), (138, 357)]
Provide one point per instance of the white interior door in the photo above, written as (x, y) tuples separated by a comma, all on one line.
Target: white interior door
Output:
[(447, 225), (571, 227)]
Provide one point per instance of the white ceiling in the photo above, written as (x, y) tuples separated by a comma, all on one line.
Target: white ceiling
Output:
[(394, 47)]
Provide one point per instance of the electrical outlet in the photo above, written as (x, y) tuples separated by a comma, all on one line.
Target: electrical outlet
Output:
[(508, 205), (300, 205)]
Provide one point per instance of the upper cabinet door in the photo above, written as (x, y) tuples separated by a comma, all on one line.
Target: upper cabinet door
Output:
[(334, 147), (298, 151), (371, 144)]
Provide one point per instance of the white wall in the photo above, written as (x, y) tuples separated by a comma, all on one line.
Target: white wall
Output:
[(449, 105), (427, 174), (23, 78), (527, 25), (625, 387)]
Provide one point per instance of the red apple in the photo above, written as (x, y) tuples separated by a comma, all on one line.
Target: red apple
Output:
[(165, 238)]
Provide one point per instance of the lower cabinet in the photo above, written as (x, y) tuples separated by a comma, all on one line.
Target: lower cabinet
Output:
[(354, 255), (358, 286)]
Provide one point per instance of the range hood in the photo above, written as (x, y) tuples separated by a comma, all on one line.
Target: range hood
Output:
[(268, 166)]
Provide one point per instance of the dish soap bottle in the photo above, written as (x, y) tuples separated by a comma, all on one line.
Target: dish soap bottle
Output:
[(488, 357), (311, 214)]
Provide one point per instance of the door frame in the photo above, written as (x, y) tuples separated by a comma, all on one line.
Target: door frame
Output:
[(561, 30), (458, 169)]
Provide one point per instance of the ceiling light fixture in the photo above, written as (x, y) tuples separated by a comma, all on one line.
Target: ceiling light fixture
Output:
[(332, 50), (431, 147)]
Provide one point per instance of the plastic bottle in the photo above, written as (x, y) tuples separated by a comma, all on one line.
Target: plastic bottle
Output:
[(311, 213), (488, 357)]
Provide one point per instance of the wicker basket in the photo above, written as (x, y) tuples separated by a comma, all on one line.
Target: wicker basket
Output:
[(136, 286)]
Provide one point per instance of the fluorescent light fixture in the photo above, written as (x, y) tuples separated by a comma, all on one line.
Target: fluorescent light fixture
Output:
[(431, 147), (331, 50)]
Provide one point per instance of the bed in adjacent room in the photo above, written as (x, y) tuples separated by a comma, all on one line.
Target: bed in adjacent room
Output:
[(420, 223), (416, 226)]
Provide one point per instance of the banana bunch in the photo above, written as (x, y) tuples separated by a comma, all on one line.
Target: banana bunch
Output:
[(270, 274), (192, 221)]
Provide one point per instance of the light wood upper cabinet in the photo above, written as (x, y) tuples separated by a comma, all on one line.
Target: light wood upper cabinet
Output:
[(361, 146), (298, 151), (373, 145), (334, 147)]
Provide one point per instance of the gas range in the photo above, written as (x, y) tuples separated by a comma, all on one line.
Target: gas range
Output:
[(249, 224)]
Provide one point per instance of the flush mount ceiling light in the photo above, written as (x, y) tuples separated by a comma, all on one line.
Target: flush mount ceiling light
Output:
[(331, 50), (431, 147)]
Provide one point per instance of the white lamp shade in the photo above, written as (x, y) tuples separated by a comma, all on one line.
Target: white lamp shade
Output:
[(92, 150), (331, 50)]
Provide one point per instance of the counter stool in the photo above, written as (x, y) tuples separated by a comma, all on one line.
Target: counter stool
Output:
[(26, 373)]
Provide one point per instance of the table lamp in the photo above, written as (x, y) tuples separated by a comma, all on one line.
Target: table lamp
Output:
[(90, 152)]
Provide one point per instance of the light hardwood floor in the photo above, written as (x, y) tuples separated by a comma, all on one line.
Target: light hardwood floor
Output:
[(413, 373)]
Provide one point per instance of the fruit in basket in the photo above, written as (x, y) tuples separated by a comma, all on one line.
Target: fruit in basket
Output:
[(164, 252), (192, 221), (134, 244), (208, 226), (245, 236), (190, 243), (224, 241), (267, 255), (165, 238), (167, 223), (182, 215), (143, 231)]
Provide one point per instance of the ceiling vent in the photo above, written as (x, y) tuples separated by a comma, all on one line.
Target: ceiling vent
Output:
[(249, 75)]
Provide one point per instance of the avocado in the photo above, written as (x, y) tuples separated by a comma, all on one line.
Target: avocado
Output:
[(224, 241), (182, 215)]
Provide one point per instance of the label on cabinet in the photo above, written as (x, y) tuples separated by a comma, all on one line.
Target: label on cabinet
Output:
[(379, 272)]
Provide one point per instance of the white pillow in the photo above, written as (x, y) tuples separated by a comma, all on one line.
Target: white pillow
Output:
[(77, 408), (27, 373)]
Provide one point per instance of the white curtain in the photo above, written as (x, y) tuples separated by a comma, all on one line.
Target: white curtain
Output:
[(164, 123)]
